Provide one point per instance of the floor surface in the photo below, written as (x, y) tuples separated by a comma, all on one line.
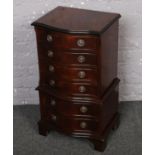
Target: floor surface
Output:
[(126, 140)]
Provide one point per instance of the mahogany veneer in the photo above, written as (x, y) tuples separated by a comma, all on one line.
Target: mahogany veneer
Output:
[(78, 86)]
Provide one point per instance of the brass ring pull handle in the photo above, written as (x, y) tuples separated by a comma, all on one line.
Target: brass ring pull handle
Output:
[(49, 38), (81, 59), (83, 125), (80, 42), (82, 74), (82, 89), (83, 109)]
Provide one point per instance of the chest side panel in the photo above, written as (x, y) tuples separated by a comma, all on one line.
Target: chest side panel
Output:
[(108, 55)]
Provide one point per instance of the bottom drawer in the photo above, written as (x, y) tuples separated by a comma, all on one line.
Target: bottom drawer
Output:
[(73, 124)]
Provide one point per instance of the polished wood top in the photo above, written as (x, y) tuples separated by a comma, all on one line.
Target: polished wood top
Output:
[(77, 21)]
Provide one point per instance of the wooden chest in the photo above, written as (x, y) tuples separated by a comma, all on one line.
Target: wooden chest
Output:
[(78, 86)]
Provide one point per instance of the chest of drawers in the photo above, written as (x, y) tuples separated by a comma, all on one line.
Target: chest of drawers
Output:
[(78, 86)]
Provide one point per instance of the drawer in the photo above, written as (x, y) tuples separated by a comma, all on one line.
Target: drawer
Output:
[(73, 124), (73, 88), (74, 74), (73, 58), (66, 41), (72, 108)]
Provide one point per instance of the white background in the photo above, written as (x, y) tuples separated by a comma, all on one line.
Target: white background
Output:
[(25, 52)]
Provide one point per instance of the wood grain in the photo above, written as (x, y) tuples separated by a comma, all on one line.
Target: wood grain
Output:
[(78, 85)]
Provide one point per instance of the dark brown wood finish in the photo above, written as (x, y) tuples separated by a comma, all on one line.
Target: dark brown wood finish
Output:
[(108, 55), (79, 21), (78, 85), (66, 41)]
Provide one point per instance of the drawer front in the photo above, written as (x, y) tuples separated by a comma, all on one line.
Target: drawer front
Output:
[(73, 89), (73, 124), (72, 108), (74, 74), (67, 58), (66, 41)]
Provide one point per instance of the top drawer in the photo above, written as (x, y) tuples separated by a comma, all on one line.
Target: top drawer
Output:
[(66, 41)]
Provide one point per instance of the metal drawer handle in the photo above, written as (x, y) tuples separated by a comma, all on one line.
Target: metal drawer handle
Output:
[(51, 68), (83, 109), (53, 102), (52, 82), (82, 89), (80, 42), (50, 53), (82, 74), (83, 125), (81, 59), (54, 118), (49, 38)]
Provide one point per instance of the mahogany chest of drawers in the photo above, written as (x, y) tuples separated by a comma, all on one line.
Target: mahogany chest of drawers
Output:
[(78, 86)]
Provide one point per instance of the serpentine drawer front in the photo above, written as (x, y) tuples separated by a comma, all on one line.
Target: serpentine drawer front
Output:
[(78, 85)]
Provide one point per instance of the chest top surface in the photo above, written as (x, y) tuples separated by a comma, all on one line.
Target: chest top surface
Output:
[(73, 20)]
